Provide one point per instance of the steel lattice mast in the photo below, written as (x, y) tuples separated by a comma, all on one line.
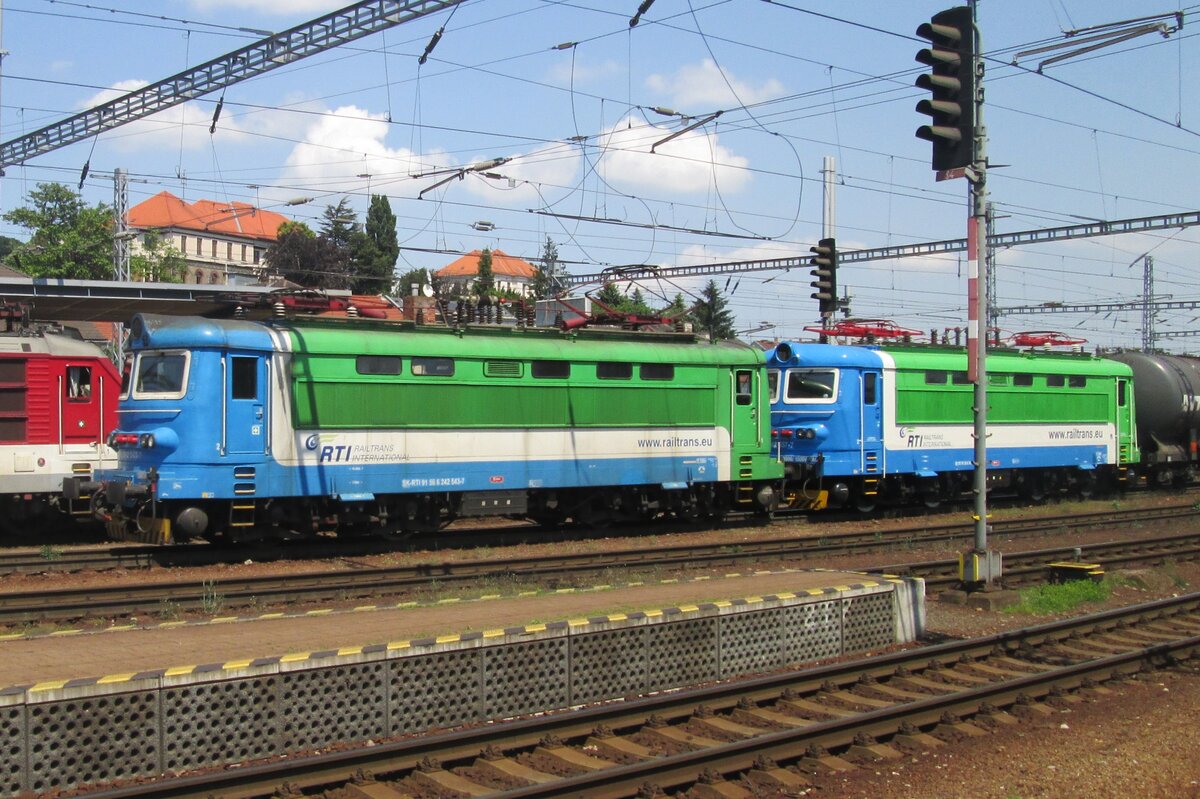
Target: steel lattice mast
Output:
[(316, 36)]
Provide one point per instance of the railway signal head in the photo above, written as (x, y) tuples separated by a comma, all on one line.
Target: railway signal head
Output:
[(824, 262), (952, 83)]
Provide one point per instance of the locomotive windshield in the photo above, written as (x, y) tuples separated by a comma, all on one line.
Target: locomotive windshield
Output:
[(161, 373), (811, 384)]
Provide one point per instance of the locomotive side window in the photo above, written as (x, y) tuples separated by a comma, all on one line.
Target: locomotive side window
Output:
[(1121, 393), (959, 379), (811, 384), (433, 367), (126, 373), (79, 383), (1077, 381), (1022, 380), (935, 378), (657, 371), (161, 373), (773, 384), (870, 379), (1056, 381), (245, 378), (614, 370), (550, 369), (378, 364)]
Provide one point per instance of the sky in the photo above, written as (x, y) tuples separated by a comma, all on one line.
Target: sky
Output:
[(582, 103)]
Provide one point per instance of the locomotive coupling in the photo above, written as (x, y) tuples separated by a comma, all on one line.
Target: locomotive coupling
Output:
[(75, 488)]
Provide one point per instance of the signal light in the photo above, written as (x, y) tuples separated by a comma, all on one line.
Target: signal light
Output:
[(824, 264), (952, 82)]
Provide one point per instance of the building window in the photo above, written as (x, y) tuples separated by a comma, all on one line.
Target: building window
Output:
[(229, 251), (214, 248), (198, 245), (243, 253), (183, 244), (258, 255), (199, 275), (215, 277)]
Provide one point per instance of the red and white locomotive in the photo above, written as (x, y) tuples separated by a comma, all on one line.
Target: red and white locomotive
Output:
[(58, 401)]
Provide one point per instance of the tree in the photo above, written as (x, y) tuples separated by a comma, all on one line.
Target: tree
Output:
[(711, 314), (158, 261), (677, 310), (306, 259), (7, 245), (485, 281), (611, 296), (413, 277), (69, 239), (636, 304), (338, 223), (545, 279), (373, 251)]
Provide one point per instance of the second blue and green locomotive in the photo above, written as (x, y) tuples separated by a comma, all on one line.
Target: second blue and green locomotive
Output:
[(862, 426)]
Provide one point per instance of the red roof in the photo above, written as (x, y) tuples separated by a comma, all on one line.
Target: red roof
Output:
[(165, 210), (502, 264)]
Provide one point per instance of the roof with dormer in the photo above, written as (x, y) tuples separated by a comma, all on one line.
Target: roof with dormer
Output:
[(503, 264), (240, 220)]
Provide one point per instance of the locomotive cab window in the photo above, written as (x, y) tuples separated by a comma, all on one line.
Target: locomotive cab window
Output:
[(743, 384), (126, 374), (245, 378), (433, 367), (773, 385), (811, 385), (870, 384), (161, 374), (1121, 393), (79, 383)]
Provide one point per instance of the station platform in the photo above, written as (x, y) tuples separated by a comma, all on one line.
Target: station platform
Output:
[(143, 701)]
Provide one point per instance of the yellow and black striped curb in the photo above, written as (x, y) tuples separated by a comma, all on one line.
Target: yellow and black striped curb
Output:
[(410, 605), (52, 689)]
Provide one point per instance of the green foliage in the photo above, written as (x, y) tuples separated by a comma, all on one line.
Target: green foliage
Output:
[(712, 314), (69, 239), (374, 250), (611, 296), (678, 309), (158, 261), (485, 281), (1062, 597), (338, 223), (306, 259), (417, 277), (544, 280), (7, 245)]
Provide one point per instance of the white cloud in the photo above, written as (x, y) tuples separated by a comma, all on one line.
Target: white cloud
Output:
[(61, 65), (687, 163), (696, 87)]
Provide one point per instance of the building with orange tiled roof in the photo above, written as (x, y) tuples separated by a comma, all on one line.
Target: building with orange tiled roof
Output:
[(221, 242), (510, 273)]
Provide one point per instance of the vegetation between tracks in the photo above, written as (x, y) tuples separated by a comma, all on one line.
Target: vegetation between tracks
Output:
[(1046, 599)]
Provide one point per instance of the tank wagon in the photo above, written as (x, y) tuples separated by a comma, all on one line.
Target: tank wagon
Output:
[(869, 425), (293, 427), (1166, 389), (58, 400)]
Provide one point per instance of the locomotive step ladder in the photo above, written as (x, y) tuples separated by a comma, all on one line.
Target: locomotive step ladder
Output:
[(241, 513)]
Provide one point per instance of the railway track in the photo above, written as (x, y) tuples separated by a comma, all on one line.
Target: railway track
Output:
[(275, 591), (137, 556), (765, 734)]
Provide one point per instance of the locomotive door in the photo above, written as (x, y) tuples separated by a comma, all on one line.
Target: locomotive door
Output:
[(245, 405), (872, 422), (79, 400), (746, 431)]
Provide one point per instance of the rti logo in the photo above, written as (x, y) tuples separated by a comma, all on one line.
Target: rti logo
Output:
[(329, 453)]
